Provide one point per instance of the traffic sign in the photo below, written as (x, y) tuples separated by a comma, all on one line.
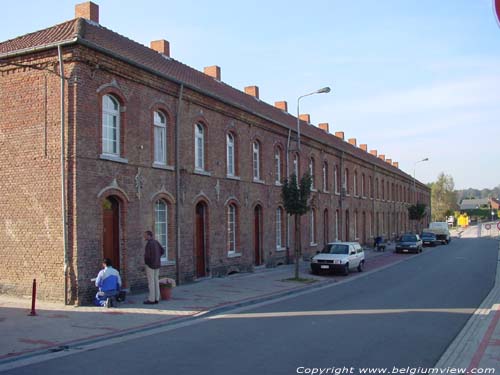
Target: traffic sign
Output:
[(498, 225), (496, 9), (487, 226)]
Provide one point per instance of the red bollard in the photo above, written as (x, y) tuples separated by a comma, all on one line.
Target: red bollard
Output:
[(33, 299)]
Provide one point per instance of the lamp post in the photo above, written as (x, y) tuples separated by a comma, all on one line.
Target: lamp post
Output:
[(324, 90), (414, 182)]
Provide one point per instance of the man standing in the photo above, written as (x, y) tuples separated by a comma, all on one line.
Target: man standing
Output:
[(152, 260)]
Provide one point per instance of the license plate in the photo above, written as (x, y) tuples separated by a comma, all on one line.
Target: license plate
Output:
[(325, 267), (405, 250), (427, 243)]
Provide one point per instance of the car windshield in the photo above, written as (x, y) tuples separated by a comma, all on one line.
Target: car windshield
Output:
[(408, 238), (336, 249)]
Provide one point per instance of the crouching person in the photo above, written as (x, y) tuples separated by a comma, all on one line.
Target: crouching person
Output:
[(109, 283)]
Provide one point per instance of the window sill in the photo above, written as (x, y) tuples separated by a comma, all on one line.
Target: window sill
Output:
[(313, 244), (337, 193), (114, 158), (233, 255), (280, 248), (314, 190), (163, 166), (231, 177), (165, 262), (259, 181), (276, 183), (326, 191), (202, 172)]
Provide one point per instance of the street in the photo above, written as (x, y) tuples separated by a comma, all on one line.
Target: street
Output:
[(402, 316)]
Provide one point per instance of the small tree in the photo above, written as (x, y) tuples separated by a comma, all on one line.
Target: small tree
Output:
[(417, 212), (295, 199)]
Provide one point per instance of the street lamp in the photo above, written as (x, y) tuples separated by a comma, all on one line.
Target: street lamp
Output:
[(414, 183), (324, 90)]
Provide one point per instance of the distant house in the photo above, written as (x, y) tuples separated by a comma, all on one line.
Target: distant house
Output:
[(471, 204)]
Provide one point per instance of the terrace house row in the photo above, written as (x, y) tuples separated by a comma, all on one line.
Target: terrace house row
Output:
[(102, 138)]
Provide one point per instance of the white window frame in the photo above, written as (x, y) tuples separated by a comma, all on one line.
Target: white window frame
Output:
[(277, 161), (336, 225), (161, 226), (231, 228), (279, 228), (296, 166), (325, 176), (355, 183), (336, 179), (110, 125), (160, 137), (312, 165), (199, 147), (355, 225), (230, 148), (256, 160), (313, 227)]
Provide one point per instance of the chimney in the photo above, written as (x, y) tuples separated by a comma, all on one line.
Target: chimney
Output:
[(339, 135), (281, 105), (373, 152), (253, 91), (87, 10), (364, 147), (352, 141), (161, 46), (212, 71), (305, 117), (395, 164), (389, 161), (382, 156), (324, 126)]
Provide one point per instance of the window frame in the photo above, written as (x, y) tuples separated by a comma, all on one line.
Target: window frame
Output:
[(158, 233), (115, 114), (230, 155), (199, 147)]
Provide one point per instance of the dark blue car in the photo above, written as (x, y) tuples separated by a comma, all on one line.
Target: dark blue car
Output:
[(429, 239)]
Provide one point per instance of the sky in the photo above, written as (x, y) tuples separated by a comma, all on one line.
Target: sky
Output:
[(413, 79)]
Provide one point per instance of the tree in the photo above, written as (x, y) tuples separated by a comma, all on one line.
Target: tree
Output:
[(417, 212), (443, 197), (295, 199)]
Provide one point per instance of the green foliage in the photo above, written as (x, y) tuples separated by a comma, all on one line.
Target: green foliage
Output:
[(443, 197), (296, 196), (417, 211)]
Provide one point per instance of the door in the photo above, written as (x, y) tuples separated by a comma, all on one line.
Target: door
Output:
[(200, 240), (111, 230), (257, 237)]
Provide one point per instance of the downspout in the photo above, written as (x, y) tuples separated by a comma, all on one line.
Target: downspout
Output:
[(288, 176), (178, 189), (63, 177)]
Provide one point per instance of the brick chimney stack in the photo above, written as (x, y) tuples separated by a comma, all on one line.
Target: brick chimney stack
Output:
[(305, 117), (324, 126), (252, 91), (395, 164), (212, 71), (283, 105), (87, 10), (161, 46), (374, 152), (389, 161), (364, 147), (339, 135), (382, 156), (353, 141)]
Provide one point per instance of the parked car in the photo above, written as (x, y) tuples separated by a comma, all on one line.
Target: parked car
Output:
[(429, 239), (339, 256), (409, 242)]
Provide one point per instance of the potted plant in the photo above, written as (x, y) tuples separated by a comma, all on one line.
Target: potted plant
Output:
[(166, 285)]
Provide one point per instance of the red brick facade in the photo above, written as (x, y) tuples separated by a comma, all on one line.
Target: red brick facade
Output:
[(31, 244)]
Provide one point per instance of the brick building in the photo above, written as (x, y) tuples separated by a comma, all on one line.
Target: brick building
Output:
[(128, 139)]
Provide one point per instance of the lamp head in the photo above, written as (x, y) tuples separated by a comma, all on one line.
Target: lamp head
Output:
[(324, 90)]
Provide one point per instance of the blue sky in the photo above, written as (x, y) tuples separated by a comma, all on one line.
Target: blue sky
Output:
[(411, 78)]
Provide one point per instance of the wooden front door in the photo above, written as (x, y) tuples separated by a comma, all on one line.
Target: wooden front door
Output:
[(111, 230), (257, 237), (200, 240)]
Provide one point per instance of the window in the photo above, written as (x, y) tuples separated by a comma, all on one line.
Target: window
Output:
[(161, 225), (256, 161), (336, 179), (363, 185), (110, 125), (355, 225), (311, 172), (346, 181), (296, 165), (383, 190), (231, 228), (325, 176), (160, 137), (337, 225), (231, 171), (356, 192), (199, 147), (278, 165), (279, 228), (313, 227), (370, 187)]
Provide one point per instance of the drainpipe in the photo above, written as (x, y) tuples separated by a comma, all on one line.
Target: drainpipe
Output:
[(63, 178), (178, 188), (288, 176)]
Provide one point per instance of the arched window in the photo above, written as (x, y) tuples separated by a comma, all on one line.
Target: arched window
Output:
[(230, 151), (346, 181), (199, 147), (363, 182), (296, 165), (313, 227), (279, 229), (160, 137), (336, 180), (356, 192), (312, 166), (161, 224), (355, 225), (337, 217), (278, 165), (231, 228), (110, 125), (325, 177), (256, 161)]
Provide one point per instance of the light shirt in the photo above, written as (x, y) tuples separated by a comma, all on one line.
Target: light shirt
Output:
[(107, 271)]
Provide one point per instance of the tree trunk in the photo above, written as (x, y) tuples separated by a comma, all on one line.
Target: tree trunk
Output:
[(297, 245)]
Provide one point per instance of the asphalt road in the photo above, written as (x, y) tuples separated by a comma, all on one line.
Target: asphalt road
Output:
[(403, 316)]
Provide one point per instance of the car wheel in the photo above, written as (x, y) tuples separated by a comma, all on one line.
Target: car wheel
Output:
[(361, 266), (346, 269)]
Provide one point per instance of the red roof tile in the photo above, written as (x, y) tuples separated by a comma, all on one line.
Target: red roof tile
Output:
[(139, 54)]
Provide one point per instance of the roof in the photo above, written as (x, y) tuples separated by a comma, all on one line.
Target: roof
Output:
[(470, 204), (93, 35)]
